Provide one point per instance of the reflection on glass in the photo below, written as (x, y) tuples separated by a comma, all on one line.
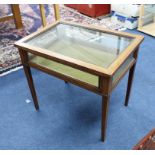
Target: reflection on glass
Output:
[(87, 45), (150, 8), (149, 14)]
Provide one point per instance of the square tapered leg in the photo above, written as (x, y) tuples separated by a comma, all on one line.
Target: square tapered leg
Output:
[(105, 105)]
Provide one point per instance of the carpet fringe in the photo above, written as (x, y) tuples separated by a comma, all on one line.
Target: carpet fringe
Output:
[(10, 71)]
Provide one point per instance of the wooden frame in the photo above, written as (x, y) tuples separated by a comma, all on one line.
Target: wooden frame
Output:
[(105, 75), (15, 15), (148, 28)]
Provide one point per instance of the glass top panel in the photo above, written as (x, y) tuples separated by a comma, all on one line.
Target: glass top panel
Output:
[(83, 44)]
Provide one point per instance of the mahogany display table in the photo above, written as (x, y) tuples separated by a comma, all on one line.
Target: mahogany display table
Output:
[(88, 56)]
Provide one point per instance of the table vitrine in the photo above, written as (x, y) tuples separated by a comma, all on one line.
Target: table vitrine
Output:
[(146, 22), (88, 56)]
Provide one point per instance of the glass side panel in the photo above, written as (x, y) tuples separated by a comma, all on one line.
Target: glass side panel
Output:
[(148, 17), (83, 44), (123, 68), (150, 8), (65, 70)]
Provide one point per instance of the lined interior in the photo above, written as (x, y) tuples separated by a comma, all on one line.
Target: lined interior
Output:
[(75, 73)]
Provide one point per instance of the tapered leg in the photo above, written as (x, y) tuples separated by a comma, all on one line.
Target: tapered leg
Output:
[(17, 15), (42, 13), (105, 104), (56, 11), (130, 81), (31, 86)]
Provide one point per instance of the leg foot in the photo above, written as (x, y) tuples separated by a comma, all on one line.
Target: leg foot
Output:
[(31, 86), (105, 104)]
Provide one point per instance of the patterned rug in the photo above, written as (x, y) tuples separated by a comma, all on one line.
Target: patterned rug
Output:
[(9, 57)]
